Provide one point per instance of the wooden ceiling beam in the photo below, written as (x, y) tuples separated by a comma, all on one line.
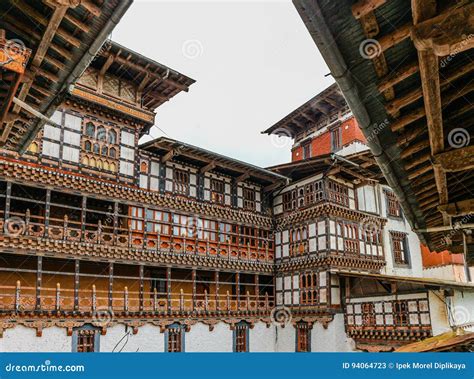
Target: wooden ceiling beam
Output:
[(447, 33), (397, 76), (157, 77), (394, 38), (459, 159), (364, 7), (210, 166), (91, 7), (169, 155), (242, 177), (459, 208)]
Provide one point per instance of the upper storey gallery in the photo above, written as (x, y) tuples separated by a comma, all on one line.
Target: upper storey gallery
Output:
[(95, 132)]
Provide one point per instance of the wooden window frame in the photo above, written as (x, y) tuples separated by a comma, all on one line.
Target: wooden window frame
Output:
[(217, 191), (336, 139), (181, 182), (174, 338), (309, 288), (400, 248), (86, 339), (241, 337), (394, 208), (303, 338), (249, 199)]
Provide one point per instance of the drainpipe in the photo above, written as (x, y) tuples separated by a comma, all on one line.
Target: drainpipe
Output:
[(86, 59), (313, 18)]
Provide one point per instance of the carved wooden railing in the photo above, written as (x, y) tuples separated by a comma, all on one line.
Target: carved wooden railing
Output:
[(19, 299), (102, 233)]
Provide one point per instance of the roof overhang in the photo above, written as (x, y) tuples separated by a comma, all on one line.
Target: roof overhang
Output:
[(207, 160), (409, 87), (63, 37)]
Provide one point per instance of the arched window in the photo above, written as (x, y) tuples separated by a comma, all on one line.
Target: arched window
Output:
[(90, 129), (112, 136), (100, 165), (104, 150), (92, 162), (96, 148), (87, 146), (112, 152), (106, 166), (85, 161), (101, 133), (113, 168), (143, 168)]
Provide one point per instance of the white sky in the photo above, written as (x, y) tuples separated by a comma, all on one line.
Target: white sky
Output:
[(253, 62)]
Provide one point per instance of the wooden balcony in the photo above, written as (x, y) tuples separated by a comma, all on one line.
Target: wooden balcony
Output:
[(19, 300)]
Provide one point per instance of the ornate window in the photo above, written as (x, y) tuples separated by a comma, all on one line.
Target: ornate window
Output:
[(90, 130), (181, 182), (400, 313), (338, 193), (112, 137), (303, 337), (249, 199), (217, 191), (336, 140), (298, 237), (136, 221), (309, 288), (87, 146), (85, 339), (393, 206), (241, 337), (400, 248), (96, 148), (101, 133), (175, 338), (157, 221), (104, 151), (144, 168), (112, 152)]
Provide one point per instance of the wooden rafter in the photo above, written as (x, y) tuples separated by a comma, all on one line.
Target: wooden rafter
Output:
[(460, 208), (456, 160), (364, 7)]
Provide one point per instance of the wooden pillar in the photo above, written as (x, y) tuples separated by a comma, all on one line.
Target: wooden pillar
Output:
[(216, 280), (142, 286), (116, 212), (83, 217), (237, 288), (193, 277), (8, 200), (76, 284), (47, 211), (39, 277), (168, 288), (257, 289), (111, 285)]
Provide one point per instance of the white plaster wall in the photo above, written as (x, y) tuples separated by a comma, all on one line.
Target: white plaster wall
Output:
[(200, 339), (352, 148), (148, 339), (446, 272), (438, 313), (462, 309), (332, 339), (23, 339), (285, 338), (261, 338)]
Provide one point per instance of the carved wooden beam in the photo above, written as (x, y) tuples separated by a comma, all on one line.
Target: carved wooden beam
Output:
[(460, 208), (211, 165), (169, 155), (456, 160), (242, 177), (363, 7), (450, 32)]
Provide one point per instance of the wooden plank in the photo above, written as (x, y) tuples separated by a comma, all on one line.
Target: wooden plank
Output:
[(363, 7), (459, 208), (447, 33), (397, 76), (459, 159)]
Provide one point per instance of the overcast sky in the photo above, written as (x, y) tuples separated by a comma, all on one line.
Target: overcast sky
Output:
[(253, 62)]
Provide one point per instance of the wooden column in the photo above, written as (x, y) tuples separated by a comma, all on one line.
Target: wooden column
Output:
[(237, 288), (216, 280), (116, 212), (168, 288), (111, 285), (47, 211), (76, 284), (8, 200), (83, 216), (193, 276), (39, 277), (257, 287), (142, 286)]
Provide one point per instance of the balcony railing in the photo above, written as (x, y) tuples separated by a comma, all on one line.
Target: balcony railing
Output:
[(63, 229), (18, 299)]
